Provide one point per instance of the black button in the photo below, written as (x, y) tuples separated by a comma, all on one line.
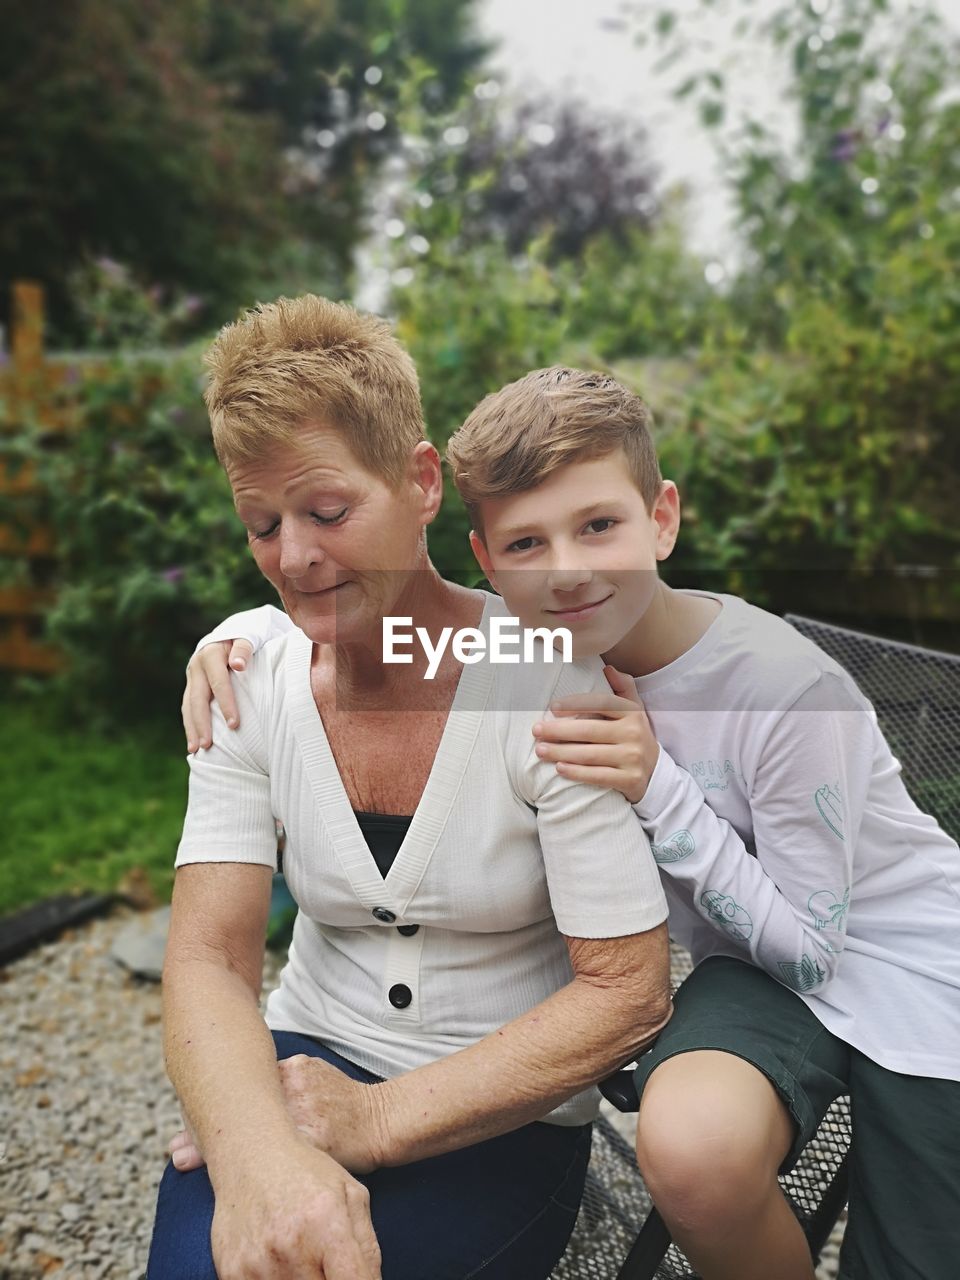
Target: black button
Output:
[(384, 915), (408, 930), (400, 996)]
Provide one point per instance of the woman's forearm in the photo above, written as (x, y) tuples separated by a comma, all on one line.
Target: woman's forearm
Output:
[(520, 1072), (221, 1060)]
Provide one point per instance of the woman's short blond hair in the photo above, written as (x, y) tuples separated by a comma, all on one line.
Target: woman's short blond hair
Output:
[(303, 360), (518, 436)]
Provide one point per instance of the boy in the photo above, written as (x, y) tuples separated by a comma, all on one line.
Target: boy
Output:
[(785, 838)]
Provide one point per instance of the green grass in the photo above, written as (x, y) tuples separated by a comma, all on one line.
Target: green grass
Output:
[(80, 808)]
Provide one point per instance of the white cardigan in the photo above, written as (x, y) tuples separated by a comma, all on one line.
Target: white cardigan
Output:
[(502, 854)]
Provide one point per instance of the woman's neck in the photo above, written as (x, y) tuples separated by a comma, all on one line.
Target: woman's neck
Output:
[(356, 671)]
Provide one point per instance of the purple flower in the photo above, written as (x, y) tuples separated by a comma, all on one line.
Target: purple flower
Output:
[(846, 143), (173, 575), (192, 304)]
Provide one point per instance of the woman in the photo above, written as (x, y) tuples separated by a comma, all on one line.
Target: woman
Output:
[(448, 881)]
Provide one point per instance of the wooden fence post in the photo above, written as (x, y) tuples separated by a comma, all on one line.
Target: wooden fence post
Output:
[(27, 338), (26, 382)]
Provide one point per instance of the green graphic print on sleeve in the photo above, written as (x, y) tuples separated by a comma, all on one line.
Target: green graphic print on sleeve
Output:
[(676, 847), (829, 908), (803, 976), (828, 804), (729, 915)]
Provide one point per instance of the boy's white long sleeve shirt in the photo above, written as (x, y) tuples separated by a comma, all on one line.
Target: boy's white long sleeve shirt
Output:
[(785, 836)]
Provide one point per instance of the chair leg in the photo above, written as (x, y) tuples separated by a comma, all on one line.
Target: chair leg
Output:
[(824, 1217), (648, 1251)]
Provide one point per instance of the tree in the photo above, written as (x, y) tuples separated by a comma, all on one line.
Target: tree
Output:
[(204, 143), (874, 169)]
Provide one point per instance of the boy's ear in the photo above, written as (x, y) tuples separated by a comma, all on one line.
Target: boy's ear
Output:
[(666, 516), (479, 548)]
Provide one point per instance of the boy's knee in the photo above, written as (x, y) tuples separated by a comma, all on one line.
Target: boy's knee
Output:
[(708, 1154)]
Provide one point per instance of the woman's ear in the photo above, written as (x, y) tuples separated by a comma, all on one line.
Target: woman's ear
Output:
[(666, 517), (426, 473), (479, 548)]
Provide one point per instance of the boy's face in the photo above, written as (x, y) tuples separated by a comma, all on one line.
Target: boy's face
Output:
[(579, 551)]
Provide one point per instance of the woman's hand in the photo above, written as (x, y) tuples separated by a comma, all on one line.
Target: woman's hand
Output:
[(335, 1114), (301, 1214), (208, 676), (604, 739)]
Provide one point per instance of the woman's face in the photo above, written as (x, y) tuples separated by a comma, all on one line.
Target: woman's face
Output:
[(335, 540)]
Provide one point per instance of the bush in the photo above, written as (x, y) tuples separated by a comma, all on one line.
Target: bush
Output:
[(841, 452), (473, 322), (149, 552)]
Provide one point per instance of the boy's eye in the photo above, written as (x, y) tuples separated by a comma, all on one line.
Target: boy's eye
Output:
[(260, 534), (601, 524), (521, 544)]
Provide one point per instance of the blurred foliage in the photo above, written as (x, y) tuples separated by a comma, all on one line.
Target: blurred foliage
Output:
[(816, 424), (813, 426), (149, 551), (516, 170), (822, 432), (875, 163), (114, 309), (476, 320), (218, 147)]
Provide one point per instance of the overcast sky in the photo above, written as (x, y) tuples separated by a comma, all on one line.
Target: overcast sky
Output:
[(585, 48)]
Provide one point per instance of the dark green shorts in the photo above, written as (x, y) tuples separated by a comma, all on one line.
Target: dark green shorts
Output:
[(904, 1212)]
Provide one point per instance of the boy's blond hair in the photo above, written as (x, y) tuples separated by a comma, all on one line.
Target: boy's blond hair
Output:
[(307, 359), (518, 436)]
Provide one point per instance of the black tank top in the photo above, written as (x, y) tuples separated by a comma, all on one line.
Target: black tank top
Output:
[(384, 833)]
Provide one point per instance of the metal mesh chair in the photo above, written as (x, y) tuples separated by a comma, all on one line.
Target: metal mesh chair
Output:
[(916, 693)]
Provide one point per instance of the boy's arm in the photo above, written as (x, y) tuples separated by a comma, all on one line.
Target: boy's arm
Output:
[(228, 647), (785, 907)]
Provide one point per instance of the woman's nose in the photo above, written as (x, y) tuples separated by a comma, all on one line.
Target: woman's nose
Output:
[(299, 551)]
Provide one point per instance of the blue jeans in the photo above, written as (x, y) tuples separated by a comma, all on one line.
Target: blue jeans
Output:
[(500, 1210)]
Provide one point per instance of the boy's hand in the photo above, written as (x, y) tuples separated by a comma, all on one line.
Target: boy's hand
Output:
[(208, 676), (604, 739)]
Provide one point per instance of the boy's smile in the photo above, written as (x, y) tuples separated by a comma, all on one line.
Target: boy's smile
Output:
[(579, 550)]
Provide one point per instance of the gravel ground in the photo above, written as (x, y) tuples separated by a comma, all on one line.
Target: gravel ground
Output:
[(84, 1127)]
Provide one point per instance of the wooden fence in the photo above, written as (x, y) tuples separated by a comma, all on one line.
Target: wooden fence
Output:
[(30, 390)]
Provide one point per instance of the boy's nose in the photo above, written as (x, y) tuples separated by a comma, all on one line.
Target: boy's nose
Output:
[(568, 577)]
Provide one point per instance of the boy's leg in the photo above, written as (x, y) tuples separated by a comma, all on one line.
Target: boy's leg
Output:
[(731, 1092), (711, 1136), (904, 1213), (499, 1210)]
